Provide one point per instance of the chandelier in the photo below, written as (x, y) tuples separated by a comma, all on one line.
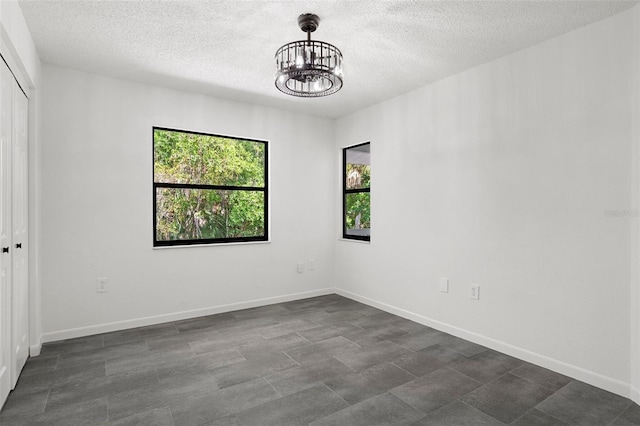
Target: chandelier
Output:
[(308, 68)]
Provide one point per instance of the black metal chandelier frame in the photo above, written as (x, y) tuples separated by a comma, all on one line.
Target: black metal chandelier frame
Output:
[(308, 68)]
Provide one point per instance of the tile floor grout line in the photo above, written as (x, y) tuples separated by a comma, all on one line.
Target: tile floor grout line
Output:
[(346, 338), (469, 377), (554, 392), (269, 383), (523, 414), (547, 414), (406, 402), (46, 400), (336, 394), (621, 413), (287, 355), (353, 370), (415, 376), (456, 351), (300, 335), (534, 382), (483, 412)]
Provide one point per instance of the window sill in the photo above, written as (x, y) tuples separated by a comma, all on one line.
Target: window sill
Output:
[(242, 243), (350, 240)]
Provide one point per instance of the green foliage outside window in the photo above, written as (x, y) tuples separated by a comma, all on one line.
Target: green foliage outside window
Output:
[(208, 187), (358, 176)]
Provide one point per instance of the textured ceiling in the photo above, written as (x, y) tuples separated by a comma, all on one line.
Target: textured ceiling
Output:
[(225, 48)]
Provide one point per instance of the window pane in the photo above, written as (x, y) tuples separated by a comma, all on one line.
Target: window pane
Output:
[(193, 214), (358, 176), (181, 157), (358, 167), (358, 213)]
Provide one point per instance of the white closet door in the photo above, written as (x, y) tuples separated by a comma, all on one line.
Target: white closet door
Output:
[(19, 271), (6, 88)]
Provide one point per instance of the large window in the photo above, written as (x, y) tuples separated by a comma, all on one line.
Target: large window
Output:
[(208, 188), (356, 184)]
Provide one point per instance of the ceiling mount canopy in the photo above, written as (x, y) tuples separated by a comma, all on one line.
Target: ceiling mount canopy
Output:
[(308, 68)]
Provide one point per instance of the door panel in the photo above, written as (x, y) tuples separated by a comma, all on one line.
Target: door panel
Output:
[(20, 277), (6, 83)]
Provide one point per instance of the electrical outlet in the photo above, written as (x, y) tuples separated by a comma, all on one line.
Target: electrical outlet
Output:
[(312, 264), (475, 292), (300, 268), (444, 285), (101, 285)]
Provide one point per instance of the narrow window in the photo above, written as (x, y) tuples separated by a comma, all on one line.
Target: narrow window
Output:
[(356, 177), (208, 188)]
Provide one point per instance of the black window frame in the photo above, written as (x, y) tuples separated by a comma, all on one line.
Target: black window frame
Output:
[(346, 191), (210, 241)]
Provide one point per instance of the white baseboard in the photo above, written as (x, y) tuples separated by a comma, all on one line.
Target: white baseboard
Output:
[(593, 378), (176, 316), (34, 350), (635, 395)]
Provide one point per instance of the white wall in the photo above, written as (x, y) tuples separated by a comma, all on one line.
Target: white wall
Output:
[(97, 207), (502, 176)]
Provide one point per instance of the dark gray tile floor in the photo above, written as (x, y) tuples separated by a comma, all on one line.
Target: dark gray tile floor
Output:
[(321, 361)]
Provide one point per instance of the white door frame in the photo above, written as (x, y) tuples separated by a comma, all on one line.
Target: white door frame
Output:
[(20, 221), (6, 233)]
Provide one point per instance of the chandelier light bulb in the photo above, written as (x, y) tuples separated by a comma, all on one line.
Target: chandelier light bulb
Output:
[(338, 70)]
